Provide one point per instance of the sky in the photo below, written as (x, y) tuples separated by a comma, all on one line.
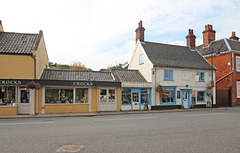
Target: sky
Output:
[(101, 33)]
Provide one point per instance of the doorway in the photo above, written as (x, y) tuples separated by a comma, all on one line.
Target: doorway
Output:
[(24, 100), (186, 98), (136, 99)]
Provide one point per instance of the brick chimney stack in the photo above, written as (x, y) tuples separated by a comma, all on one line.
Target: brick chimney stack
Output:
[(1, 27), (234, 37), (191, 39), (208, 35), (140, 32)]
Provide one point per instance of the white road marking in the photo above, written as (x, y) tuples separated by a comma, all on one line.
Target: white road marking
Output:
[(26, 123), (122, 119), (207, 114)]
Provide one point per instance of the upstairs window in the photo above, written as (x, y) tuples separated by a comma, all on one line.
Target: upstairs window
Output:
[(238, 63), (201, 76), (168, 75), (141, 60)]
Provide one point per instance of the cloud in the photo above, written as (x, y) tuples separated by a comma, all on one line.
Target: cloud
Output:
[(100, 33)]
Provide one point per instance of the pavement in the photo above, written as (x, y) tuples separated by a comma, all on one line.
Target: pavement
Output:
[(114, 113)]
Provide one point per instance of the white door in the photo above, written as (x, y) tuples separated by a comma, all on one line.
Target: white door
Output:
[(185, 98), (135, 100), (24, 99)]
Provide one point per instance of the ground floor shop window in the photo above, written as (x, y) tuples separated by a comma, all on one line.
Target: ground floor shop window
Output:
[(107, 95), (7, 95), (168, 96), (81, 95), (129, 96), (65, 96), (145, 96), (201, 96), (126, 96)]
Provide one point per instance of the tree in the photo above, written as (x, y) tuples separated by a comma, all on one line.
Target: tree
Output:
[(78, 66), (118, 66), (58, 66)]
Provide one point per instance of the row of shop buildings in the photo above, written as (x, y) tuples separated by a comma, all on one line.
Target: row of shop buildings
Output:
[(159, 76)]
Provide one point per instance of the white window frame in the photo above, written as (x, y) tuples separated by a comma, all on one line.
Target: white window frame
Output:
[(107, 95), (141, 59), (238, 89), (238, 63)]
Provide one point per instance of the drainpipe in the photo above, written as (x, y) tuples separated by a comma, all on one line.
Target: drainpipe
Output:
[(34, 58), (231, 102)]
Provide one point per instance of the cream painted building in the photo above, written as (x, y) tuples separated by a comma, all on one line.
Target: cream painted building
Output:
[(185, 78)]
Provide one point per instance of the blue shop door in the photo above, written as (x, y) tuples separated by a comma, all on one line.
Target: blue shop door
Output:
[(135, 99)]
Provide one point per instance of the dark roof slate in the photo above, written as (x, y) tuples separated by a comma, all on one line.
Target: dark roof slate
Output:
[(76, 75), (219, 46), (18, 43), (124, 75), (166, 55)]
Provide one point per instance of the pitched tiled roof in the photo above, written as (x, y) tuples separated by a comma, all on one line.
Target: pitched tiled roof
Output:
[(123, 75), (76, 75), (165, 55), (219, 46), (18, 43)]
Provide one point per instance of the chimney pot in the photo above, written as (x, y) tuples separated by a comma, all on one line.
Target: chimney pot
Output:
[(208, 35), (234, 37), (140, 32), (191, 39)]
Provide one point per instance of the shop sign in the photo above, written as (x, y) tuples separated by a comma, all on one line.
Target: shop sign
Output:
[(83, 83), (10, 82), (143, 85)]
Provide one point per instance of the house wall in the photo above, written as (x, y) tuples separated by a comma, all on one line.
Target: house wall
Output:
[(8, 110), (221, 63), (146, 68), (16, 67), (190, 82), (41, 58)]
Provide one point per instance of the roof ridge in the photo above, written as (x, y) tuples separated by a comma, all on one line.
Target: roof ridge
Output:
[(164, 44), (75, 70), (19, 33)]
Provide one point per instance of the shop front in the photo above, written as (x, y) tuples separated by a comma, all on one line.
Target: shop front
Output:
[(15, 98), (58, 97), (136, 96)]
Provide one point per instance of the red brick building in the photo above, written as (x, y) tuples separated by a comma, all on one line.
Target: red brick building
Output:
[(223, 54)]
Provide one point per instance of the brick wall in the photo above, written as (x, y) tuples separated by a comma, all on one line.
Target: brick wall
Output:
[(221, 63)]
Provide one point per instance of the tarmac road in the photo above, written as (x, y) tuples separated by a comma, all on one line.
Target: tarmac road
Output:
[(182, 132)]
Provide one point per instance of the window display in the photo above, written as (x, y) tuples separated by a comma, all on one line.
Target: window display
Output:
[(58, 96), (126, 96), (81, 95), (107, 95), (7, 96)]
